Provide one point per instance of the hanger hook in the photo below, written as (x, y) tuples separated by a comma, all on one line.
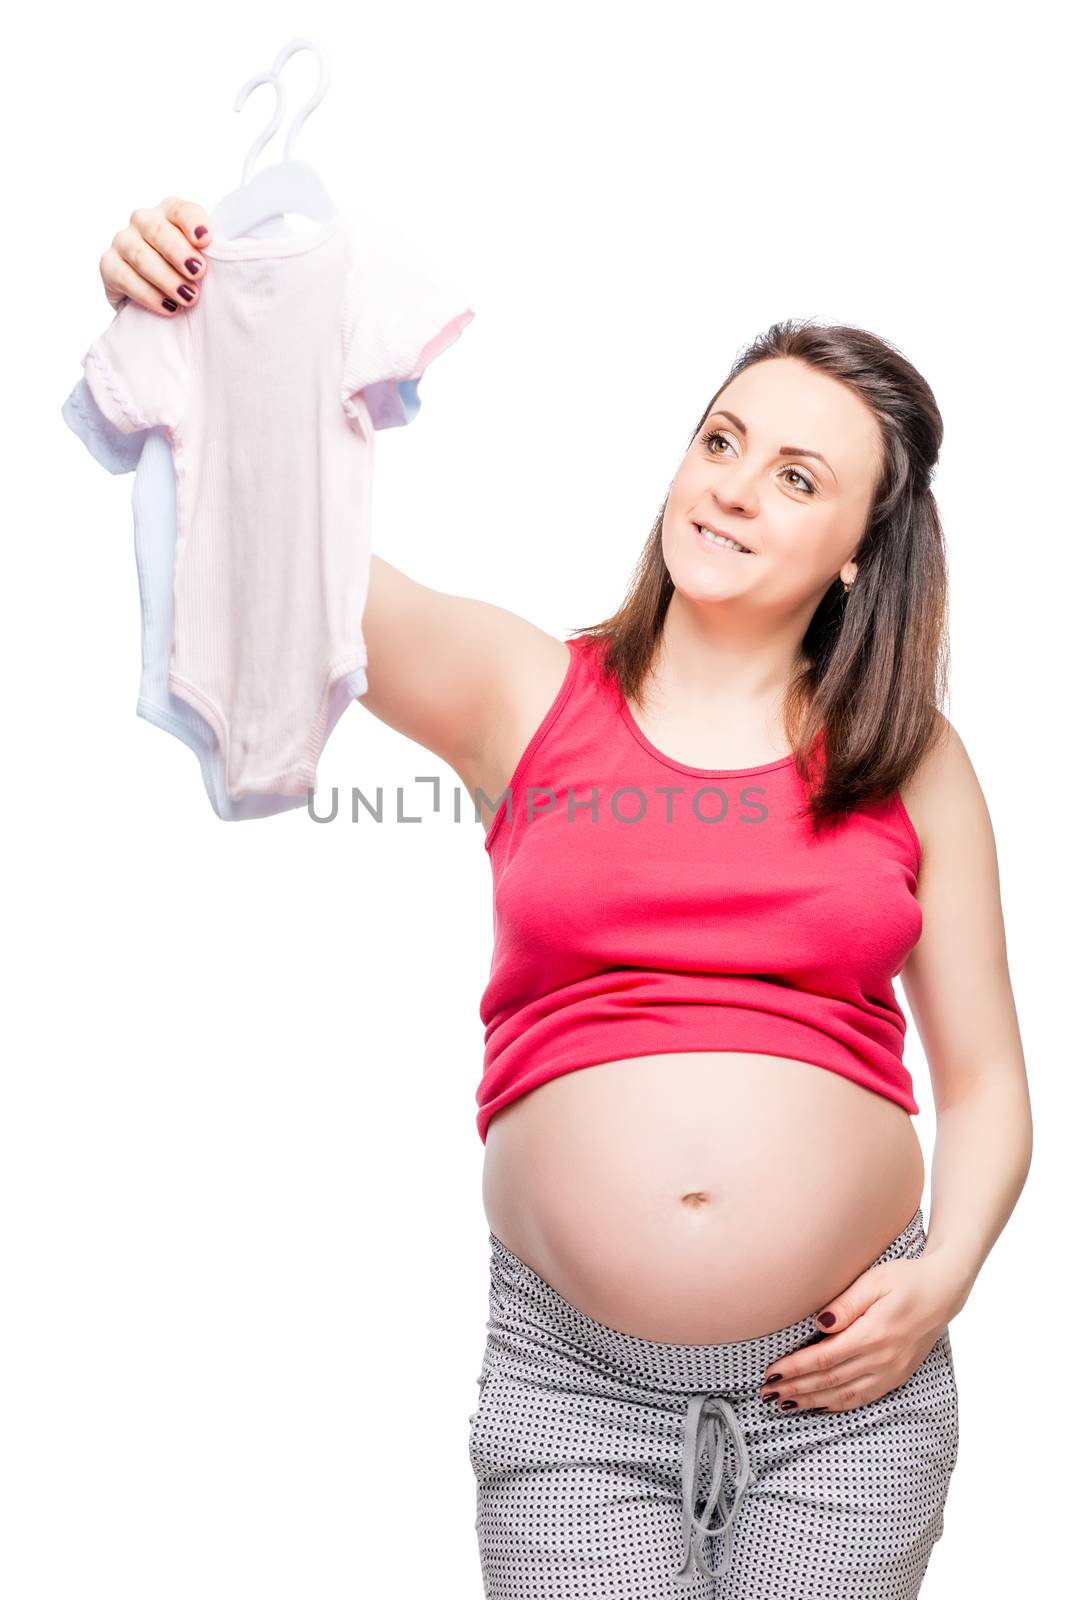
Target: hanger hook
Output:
[(304, 42), (272, 127)]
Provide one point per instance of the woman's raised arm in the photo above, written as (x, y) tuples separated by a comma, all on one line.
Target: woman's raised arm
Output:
[(464, 678)]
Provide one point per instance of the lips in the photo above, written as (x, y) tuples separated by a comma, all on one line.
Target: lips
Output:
[(700, 527)]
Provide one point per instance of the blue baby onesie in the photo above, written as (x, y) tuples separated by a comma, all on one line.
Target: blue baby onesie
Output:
[(155, 538)]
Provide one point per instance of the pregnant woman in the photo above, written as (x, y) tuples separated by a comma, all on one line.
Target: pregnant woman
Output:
[(719, 824)]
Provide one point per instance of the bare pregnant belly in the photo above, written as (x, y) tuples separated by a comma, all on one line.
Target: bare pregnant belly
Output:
[(700, 1197)]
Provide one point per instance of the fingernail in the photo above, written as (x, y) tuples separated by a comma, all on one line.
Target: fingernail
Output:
[(199, 232), (171, 305), (788, 1405), (773, 1377), (817, 1408), (192, 267), (826, 1319), (774, 1395), (185, 292)]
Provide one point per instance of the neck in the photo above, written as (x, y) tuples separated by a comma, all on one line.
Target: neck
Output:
[(741, 664)]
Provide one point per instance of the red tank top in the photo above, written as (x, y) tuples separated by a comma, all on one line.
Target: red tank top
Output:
[(643, 906)]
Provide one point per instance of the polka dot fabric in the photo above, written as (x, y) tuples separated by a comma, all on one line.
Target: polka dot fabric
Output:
[(615, 1468)]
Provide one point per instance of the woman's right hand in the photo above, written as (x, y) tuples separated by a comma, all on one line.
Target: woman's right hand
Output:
[(157, 258)]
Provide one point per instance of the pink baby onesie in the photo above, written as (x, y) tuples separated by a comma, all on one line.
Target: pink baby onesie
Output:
[(260, 390)]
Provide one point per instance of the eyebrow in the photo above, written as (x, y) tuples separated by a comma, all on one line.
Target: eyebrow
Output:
[(785, 449)]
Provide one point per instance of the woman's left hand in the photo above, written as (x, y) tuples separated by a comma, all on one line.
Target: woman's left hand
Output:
[(884, 1325)]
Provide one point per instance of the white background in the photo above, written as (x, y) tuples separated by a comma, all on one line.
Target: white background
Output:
[(244, 1260)]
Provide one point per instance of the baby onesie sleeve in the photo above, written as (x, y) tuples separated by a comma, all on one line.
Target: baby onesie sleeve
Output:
[(118, 452), (138, 369), (399, 315)]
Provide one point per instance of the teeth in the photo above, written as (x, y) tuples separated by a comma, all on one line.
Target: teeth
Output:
[(718, 538)]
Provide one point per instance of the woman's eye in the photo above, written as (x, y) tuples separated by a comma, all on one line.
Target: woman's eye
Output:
[(711, 437)]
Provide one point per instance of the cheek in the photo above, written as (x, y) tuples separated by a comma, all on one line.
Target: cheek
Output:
[(803, 541), (678, 494)]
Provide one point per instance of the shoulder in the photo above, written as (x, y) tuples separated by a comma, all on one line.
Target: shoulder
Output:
[(532, 669), (943, 795), (538, 667)]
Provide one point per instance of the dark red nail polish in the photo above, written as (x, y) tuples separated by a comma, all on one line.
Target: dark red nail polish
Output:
[(185, 292), (774, 1395), (788, 1405), (171, 305), (818, 1408), (826, 1319), (192, 267), (199, 232), (774, 1377)]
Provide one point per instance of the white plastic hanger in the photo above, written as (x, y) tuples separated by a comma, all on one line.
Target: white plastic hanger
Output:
[(257, 207)]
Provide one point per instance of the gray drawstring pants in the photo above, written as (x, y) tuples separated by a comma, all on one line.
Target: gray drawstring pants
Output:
[(615, 1468)]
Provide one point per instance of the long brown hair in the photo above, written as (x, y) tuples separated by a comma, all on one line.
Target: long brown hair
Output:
[(874, 662)]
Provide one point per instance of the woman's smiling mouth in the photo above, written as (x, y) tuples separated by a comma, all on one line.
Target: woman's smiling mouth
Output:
[(721, 540)]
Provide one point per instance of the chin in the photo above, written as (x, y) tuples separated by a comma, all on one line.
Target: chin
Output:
[(703, 592), (710, 576)]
